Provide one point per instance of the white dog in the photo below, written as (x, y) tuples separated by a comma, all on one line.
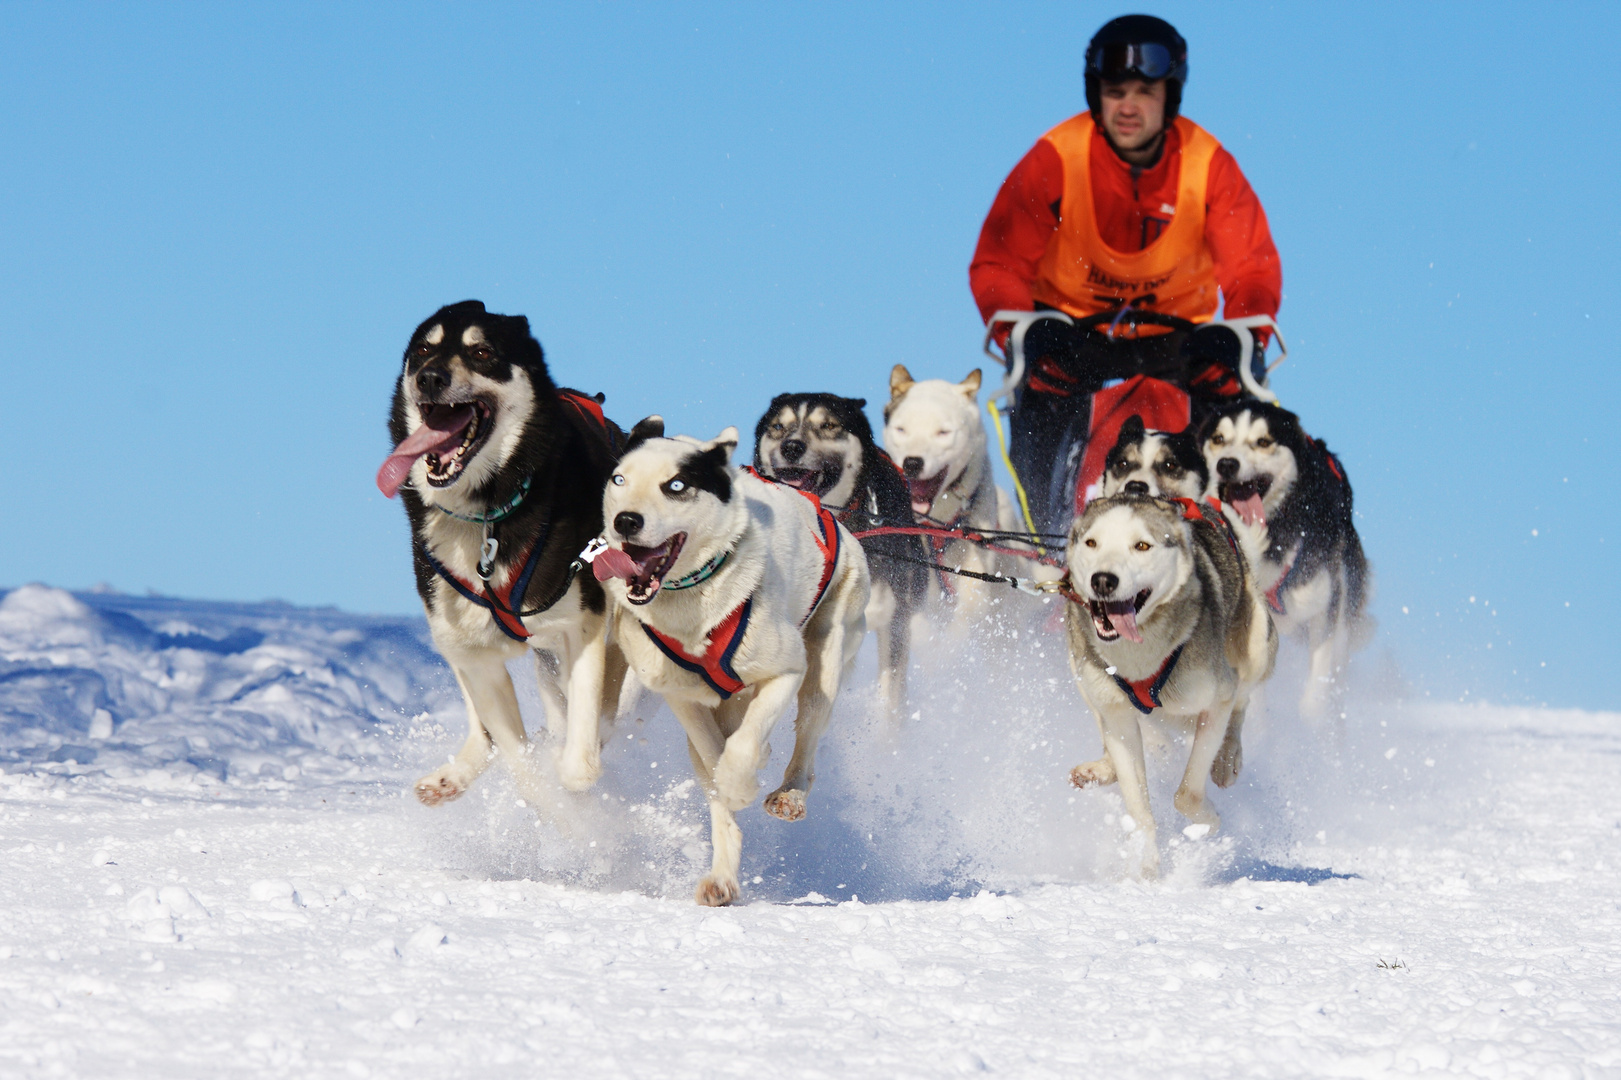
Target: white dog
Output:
[(733, 595), (1165, 627), (933, 429)]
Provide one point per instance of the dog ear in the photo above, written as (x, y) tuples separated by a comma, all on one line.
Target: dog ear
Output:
[(970, 385), (651, 427), (900, 381), (1132, 430), (726, 440)]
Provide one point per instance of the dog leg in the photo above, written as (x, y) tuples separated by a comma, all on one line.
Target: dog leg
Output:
[(451, 781), (736, 782), (581, 761), (1229, 760), (1318, 694), (548, 677), (1099, 773), (492, 704), (892, 622), (1208, 739), (816, 694), (719, 887), (1123, 741)]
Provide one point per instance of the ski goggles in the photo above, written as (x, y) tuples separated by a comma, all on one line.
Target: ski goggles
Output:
[(1115, 63)]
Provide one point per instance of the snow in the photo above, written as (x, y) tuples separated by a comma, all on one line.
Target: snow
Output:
[(210, 866)]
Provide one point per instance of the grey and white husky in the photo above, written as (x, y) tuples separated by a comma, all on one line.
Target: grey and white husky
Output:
[(1293, 501), (733, 596), (823, 444), (1163, 627), (501, 473)]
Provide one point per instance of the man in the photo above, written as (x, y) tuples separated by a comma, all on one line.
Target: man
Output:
[(1126, 205)]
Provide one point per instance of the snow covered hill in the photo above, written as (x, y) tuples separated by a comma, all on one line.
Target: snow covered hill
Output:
[(210, 865)]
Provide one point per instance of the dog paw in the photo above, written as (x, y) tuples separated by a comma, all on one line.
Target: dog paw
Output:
[(1099, 773), (1197, 809), (736, 784), (1228, 764), (716, 891), (444, 784), (787, 805), (578, 773)]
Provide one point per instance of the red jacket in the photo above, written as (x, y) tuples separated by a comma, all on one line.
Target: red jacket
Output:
[(1024, 218)]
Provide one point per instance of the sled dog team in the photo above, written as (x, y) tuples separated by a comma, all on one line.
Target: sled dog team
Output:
[(538, 524)]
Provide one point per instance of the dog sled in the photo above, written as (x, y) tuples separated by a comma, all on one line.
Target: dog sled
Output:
[(1163, 405)]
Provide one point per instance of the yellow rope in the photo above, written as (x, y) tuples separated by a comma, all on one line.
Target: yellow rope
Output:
[(1018, 485)]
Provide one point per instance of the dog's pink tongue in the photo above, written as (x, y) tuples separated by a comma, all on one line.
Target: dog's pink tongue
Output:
[(614, 563), (1249, 509), (440, 431), (921, 507), (1124, 618)]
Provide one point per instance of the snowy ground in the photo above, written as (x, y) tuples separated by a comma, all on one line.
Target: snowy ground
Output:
[(209, 866)]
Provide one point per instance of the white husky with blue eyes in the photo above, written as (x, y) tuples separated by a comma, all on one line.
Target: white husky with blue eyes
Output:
[(732, 596)]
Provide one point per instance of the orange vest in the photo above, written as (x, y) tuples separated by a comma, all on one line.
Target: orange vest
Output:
[(1175, 275)]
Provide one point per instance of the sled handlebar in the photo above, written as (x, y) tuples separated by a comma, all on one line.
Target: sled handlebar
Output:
[(1012, 358)]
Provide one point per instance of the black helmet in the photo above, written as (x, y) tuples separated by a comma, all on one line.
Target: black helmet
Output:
[(1137, 47)]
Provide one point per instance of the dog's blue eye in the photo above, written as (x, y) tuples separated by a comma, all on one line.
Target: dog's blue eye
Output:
[(619, 480), (677, 485)]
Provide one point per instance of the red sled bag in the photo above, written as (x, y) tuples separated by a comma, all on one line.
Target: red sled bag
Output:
[(1162, 405)]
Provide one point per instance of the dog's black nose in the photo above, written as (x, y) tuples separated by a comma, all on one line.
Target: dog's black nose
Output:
[(627, 524), (1104, 584), (793, 450), (1136, 487), (1227, 468), (913, 467), (432, 380)]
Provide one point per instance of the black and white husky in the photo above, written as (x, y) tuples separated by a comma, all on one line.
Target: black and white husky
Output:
[(823, 444), (1159, 463), (733, 596), (1293, 495), (1163, 627), (501, 474)]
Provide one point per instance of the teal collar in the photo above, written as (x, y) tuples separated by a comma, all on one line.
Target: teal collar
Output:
[(490, 517), (702, 574)]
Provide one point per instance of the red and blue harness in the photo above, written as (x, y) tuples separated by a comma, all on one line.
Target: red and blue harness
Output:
[(714, 664)]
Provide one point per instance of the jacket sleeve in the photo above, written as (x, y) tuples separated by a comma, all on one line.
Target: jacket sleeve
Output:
[(1247, 266), (1016, 231)]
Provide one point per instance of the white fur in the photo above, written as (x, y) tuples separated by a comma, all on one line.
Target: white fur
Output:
[(1154, 549), (768, 531), (933, 429)]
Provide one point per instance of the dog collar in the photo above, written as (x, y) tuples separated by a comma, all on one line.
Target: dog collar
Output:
[(500, 513), (700, 575)]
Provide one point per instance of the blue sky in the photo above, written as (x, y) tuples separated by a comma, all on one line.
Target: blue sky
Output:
[(220, 222)]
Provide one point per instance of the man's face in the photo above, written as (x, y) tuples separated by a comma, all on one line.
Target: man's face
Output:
[(1133, 112)]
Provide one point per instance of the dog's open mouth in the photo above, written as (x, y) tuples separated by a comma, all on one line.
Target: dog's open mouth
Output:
[(1116, 619), (816, 482), (651, 564), (923, 491), (1246, 498), (447, 439)]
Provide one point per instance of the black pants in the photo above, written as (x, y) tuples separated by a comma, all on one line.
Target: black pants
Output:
[(1064, 368)]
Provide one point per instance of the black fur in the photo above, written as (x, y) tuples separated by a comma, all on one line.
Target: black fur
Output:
[(706, 470), (1184, 447), (1317, 512), (650, 427), (568, 456), (881, 496)]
